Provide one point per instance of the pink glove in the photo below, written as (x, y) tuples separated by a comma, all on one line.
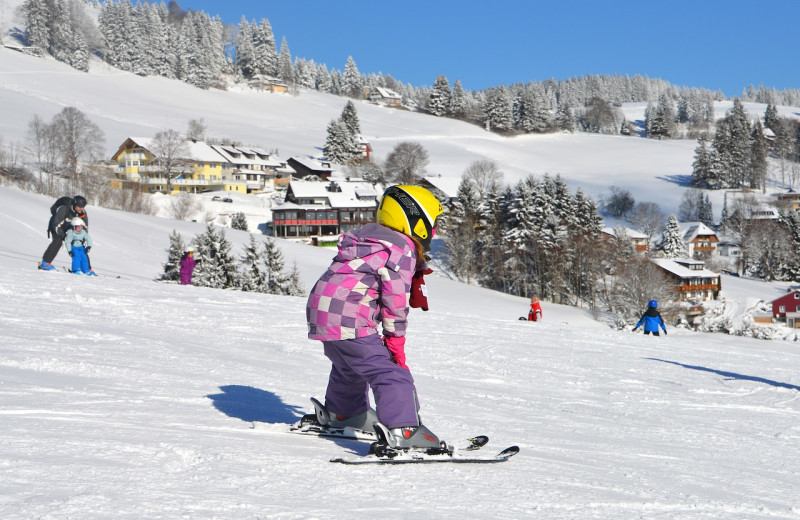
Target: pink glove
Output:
[(396, 346)]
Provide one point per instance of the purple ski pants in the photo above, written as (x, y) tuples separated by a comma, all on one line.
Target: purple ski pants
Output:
[(364, 363)]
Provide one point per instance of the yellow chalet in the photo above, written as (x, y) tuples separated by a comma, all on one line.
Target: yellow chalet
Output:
[(201, 168)]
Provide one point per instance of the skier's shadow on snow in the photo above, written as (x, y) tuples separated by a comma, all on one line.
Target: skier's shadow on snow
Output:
[(254, 405), (731, 375)]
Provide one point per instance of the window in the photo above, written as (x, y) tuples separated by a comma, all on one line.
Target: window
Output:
[(797, 296), (782, 309)]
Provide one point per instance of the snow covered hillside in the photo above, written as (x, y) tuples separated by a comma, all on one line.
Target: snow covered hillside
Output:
[(125, 398), (124, 104)]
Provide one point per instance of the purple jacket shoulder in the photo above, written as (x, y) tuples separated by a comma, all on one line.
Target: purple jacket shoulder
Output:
[(368, 282)]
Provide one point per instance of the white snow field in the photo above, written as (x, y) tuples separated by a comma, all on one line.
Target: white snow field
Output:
[(126, 398)]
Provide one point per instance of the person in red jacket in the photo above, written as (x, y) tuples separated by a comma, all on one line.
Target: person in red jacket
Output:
[(535, 313)]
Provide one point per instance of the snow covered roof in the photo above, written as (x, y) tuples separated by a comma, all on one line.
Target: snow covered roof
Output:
[(196, 150), (632, 233), (679, 267), (241, 155), (691, 230), (387, 93), (339, 193)]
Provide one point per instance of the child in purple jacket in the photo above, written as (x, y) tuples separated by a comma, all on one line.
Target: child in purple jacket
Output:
[(187, 266), (369, 282)]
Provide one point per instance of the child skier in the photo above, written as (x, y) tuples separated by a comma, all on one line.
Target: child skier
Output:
[(535, 314), (370, 281), (187, 266), (651, 319), (78, 243)]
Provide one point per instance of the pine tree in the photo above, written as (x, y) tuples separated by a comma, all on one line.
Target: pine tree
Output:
[(294, 285), (265, 53), (440, 98), (350, 118), (285, 70), (564, 118), (706, 212), (245, 49), (254, 276), (672, 245), (277, 281), (732, 148), (771, 118), (758, 158), (216, 268), (462, 233), (498, 110), (702, 175), (458, 107), (239, 222), (36, 16), (175, 251), (340, 145), (661, 124), (351, 82)]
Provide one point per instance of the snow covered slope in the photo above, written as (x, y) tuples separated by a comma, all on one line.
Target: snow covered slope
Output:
[(125, 398)]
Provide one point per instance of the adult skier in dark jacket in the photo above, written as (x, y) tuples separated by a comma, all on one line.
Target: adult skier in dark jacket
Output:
[(59, 225), (651, 319)]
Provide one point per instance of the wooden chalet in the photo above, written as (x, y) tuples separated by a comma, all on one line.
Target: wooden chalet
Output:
[(692, 281), (701, 241)]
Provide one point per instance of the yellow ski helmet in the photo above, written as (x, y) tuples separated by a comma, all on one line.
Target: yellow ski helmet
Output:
[(412, 210)]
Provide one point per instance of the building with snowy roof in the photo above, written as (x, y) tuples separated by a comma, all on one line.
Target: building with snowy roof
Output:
[(324, 208), (692, 281)]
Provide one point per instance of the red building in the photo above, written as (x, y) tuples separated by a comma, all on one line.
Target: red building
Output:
[(786, 306)]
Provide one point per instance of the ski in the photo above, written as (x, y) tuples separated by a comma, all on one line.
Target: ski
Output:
[(434, 456), (308, 425)]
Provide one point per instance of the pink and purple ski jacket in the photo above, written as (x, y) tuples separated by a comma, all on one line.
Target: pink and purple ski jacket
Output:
[(368, 282)]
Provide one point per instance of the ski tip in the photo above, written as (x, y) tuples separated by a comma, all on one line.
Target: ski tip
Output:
[(477, 442), (508, 452)]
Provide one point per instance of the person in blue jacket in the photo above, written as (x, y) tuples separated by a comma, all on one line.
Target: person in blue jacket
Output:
[(651, 320), (78, 243)]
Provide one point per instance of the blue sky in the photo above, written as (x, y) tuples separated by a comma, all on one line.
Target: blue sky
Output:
[(720, 45)]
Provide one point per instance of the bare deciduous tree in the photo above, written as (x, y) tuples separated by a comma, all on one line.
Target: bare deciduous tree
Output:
[(196, 130), (648, 217), (484, 173), (406, 163), (171, 151), (183, 205), (77, 140), (638, 281)]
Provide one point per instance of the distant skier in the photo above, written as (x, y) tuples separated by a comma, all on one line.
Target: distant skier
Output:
[(535, 314), (62, 212), (78, 243), (651, 319), (187, 266), (369, 282)]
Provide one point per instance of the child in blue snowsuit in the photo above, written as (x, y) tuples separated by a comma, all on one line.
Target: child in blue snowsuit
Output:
[(78, 243), (651, 320)]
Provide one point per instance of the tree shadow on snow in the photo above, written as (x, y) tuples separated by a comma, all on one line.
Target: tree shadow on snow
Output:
[(254, 405), (685, 181), (731, 375)]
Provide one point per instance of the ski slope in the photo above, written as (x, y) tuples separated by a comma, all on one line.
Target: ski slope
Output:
[(125, 398)]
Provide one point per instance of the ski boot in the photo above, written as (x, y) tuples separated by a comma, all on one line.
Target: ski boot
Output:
[(46, 266), (362, 421), (326, 423), (393, 441)]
